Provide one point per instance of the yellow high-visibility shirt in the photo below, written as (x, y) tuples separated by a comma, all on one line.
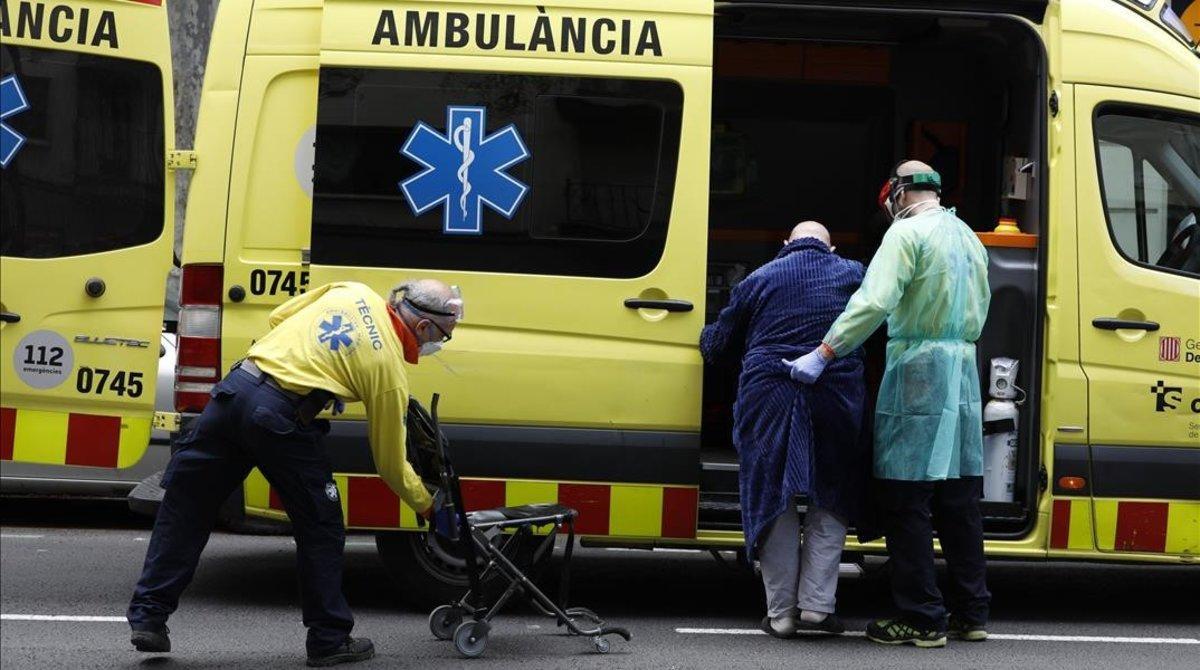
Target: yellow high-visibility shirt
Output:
[(342, 338)]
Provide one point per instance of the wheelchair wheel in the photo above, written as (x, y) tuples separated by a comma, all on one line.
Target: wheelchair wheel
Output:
[(602, 645), (444, 620), (470, 638)]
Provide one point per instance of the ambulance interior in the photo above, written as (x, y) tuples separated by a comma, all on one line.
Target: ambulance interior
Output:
[(811, 110)]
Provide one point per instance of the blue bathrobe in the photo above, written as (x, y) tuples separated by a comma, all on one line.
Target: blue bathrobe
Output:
[(793, 439)]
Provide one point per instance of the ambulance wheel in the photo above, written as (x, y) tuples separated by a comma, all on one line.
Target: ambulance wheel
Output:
[(426, 576), (444, 620), (470, 638), (427, 569)]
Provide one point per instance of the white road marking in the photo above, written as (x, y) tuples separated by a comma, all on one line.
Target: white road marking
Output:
[(991, 636), (1094, 638), (742, 631), (61, 617), (20, 536)]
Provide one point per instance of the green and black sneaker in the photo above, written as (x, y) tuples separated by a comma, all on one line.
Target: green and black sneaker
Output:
[(891, 631), (961, 630)]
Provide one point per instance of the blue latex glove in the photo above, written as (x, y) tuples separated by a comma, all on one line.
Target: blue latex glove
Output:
[(338, 406), (445, 523), (808, 367), (442, 517)]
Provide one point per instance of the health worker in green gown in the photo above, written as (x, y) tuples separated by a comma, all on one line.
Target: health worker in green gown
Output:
[(929, 281)]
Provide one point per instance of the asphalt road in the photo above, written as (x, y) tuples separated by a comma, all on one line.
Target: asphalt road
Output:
[(242, 611)]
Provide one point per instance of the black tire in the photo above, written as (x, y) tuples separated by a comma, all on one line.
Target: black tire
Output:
[(427, 569), (444, 620), (470, 638)]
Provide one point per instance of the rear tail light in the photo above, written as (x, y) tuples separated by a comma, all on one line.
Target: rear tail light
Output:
[(198, 365)]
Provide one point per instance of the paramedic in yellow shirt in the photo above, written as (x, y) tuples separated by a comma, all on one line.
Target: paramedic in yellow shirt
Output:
[(339, 343)]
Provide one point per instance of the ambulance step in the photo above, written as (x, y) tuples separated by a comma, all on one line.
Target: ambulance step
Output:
[(719, 472), (719, 511), (147, 495)]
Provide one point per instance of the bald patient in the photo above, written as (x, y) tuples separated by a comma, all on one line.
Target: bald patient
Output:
[(810, 229), (795, 440)]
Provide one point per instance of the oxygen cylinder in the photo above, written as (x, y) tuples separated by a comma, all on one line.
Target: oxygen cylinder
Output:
[(1000, 432), (999, 450)]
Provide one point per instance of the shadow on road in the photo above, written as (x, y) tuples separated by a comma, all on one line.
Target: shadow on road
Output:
[(631, 585), (17, 511)]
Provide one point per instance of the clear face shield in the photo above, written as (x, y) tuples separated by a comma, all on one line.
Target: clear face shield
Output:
[(455, 304), (889, 195), (452, 312)]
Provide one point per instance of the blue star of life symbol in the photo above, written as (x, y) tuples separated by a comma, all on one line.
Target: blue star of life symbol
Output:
[(335, 332), (12, 101), (464, 170)]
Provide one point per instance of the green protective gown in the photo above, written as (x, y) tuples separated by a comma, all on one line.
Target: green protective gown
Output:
[(929, 280)]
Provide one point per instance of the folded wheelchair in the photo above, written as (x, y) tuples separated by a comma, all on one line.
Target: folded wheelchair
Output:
[(495, 544)]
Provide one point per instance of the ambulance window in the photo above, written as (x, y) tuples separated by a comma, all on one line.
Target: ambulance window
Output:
[(569, 175), (1150, 178), (83, 153)]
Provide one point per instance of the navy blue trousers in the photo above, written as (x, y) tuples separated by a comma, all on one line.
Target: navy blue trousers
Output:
[(246, 424), (910, 512)]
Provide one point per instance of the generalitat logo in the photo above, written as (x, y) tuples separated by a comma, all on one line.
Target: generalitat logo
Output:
[(464, 170), (1168, 349)]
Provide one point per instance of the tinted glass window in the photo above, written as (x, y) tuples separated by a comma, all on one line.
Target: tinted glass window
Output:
[(493, 172), (1150, 173), (82, 151)]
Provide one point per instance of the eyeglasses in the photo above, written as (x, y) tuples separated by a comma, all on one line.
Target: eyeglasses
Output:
[(445, 335), (420, 308)]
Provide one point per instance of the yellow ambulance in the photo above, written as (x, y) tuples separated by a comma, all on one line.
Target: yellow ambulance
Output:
[(597, 174), (86, 210)]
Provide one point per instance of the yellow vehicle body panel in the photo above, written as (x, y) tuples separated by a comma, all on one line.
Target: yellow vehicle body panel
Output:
[(1105, 43), (589, 363), (80, 364)]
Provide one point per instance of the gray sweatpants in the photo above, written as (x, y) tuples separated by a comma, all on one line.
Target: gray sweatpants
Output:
[(803, 576)]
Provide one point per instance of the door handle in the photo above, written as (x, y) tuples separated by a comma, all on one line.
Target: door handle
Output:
[(669, 305), (1108, 323), (9, 317)]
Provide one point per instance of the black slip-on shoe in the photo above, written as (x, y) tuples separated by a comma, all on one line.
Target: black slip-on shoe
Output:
[(782, 626), (892, 631), (352, 650), (961, 630), (830, 625), (151, 641)]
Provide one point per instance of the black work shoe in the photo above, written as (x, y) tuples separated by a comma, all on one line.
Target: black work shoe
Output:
[(350, 651), (830, 625), (152, 641), (961, 630), (782, 626), (891, 631)]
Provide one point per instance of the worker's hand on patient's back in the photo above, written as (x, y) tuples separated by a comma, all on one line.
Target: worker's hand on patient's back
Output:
[(808, 367)]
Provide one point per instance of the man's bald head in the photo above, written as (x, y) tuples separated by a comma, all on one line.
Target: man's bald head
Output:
[(427, 296), (810, 229), (912, 167), (911, 196)]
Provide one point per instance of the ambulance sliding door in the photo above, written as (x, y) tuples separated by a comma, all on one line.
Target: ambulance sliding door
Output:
[(1138, 156), (552, 161), (86, 241)]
